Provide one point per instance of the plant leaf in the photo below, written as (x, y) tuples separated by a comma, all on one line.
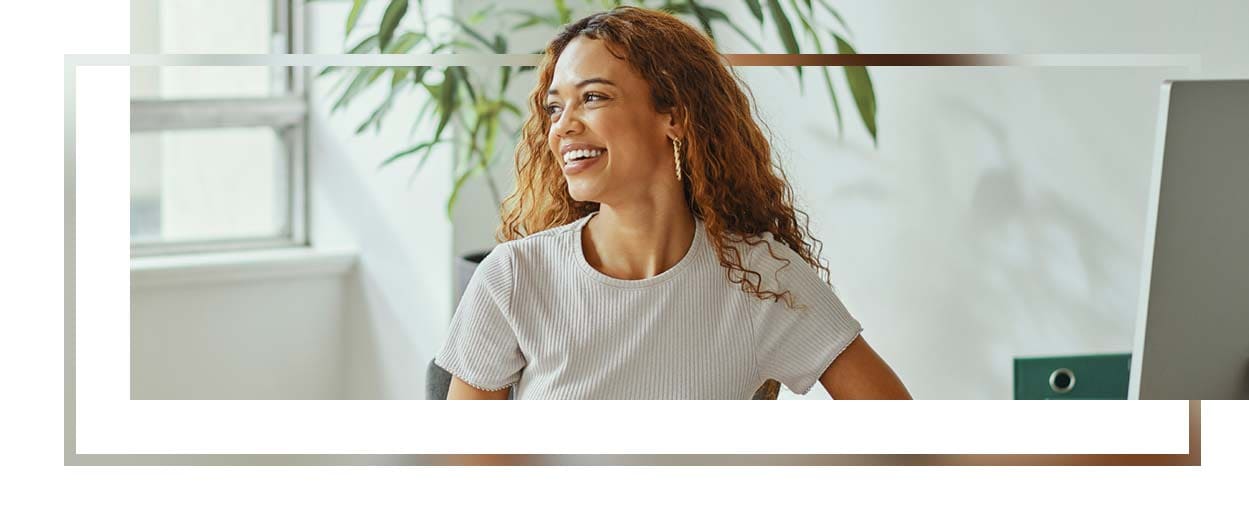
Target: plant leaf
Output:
[(375, 118), (418, 73), (504, 78), (565, 15), (756, 10), (409, 151), (531, 19), (448, 101), (681, 8), (356, 7), (786, 31), (404, 43), (421, 164), (390, 21), (703, 19), (511, 107), (480, 15), (462, 79), (718, 15), (365, 77), (425, 156), (492, 130), (398, 75), (472, 138), (806, 24), (810, 32), (828, 82), (420, 116), (833, 12), (861, 86), (364, 47), (455, 190), (396, 86), (492, 45)]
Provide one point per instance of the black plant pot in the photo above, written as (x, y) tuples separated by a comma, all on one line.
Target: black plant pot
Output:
[(464, 267)]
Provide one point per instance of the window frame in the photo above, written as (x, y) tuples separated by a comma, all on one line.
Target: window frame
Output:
[(286, 114)]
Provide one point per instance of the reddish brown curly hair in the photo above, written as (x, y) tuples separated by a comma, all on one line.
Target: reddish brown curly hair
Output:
[(731, 181)]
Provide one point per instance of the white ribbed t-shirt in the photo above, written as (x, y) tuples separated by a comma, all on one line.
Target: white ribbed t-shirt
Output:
[(537, 315)]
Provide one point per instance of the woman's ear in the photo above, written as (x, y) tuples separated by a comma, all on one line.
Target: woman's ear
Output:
[(674, 129)]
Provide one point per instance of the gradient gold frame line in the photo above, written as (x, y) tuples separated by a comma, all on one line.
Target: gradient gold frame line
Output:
[(73, 458), (1191, 61)]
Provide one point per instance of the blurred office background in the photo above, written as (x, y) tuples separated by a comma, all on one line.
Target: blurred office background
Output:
[(1001, 215)]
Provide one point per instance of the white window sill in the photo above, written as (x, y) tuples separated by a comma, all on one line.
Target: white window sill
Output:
[(235, 267)]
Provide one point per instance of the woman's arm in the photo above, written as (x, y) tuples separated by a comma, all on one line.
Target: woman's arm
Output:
[(860, 374), (461, 390)]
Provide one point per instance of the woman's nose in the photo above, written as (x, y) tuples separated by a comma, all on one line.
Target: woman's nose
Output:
[(566, 124)]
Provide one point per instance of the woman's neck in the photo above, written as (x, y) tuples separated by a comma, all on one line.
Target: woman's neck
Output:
[(637, 242)]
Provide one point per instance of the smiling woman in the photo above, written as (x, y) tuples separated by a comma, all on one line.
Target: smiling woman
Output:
[(650, 240)]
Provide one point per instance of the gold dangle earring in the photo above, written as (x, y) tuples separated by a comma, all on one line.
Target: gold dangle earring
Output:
[(676, 156)]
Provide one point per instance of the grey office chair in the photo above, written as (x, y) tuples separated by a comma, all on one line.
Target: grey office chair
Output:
[(438, 382)]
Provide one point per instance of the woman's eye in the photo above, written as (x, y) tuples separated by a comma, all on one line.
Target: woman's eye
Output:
[(588, 96), (550, 109)]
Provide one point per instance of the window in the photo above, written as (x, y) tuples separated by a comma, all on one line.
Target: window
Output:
[(217, 152)]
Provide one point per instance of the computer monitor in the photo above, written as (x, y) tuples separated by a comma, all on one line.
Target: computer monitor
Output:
[(1192, 330)]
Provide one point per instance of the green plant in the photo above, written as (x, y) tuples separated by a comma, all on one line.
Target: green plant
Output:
[(471, 107)]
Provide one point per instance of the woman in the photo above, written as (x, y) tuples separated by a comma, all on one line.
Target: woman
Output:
[(664, 259)]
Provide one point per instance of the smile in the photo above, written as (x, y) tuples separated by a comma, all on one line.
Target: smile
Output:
[(581, 160), (580, 154)]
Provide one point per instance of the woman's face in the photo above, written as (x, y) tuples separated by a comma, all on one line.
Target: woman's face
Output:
[(599, 105)]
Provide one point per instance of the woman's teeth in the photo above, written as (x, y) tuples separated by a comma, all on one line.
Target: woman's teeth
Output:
[(581, 154)]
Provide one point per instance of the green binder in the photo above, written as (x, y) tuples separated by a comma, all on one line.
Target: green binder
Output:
[(1103, 377)]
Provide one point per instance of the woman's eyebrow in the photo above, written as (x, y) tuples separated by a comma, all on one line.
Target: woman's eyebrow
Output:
[(604, 81)]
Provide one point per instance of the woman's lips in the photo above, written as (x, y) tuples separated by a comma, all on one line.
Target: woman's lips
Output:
[(578, 166)]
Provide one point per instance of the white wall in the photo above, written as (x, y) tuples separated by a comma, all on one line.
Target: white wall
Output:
[(251, 338), (1003, 213)]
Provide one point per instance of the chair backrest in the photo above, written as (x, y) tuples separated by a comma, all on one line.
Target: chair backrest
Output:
[(770, 390), (438, 383)]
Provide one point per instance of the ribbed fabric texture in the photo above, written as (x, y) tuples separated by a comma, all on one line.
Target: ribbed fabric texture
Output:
[(536, 314)]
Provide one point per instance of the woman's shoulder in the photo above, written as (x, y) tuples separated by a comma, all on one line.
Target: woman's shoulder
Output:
[(540, 247), (761, 249), (546, 234), (778, 266), (510, 261)]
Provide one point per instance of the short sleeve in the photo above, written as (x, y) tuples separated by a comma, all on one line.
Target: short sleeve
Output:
[(481, 347), (796, 345)]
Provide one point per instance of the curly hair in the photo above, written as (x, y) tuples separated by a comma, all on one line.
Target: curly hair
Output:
[(731, 181)]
